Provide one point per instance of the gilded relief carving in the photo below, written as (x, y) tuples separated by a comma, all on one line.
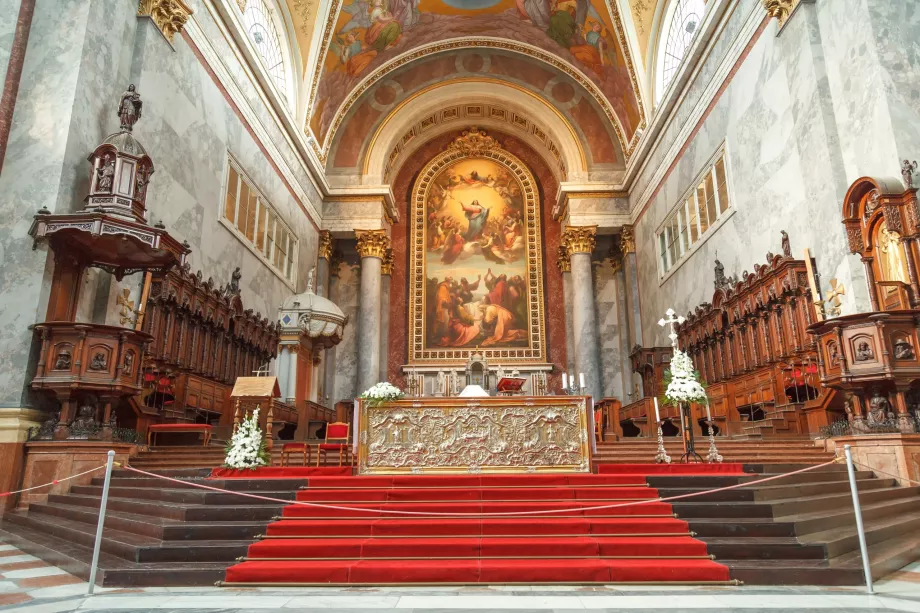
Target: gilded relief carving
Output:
[(469, 436)]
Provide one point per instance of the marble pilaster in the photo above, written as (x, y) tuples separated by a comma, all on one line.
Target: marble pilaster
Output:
[(386, 271), (565, 268), (372, 246), (329, 367), (580, 241)]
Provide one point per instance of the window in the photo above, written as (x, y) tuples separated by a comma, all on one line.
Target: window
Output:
[(694, 217), (257, 224), (680, 24), (262, 24)]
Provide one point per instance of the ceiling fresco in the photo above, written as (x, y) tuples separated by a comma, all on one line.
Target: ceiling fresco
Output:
[(578, 37)]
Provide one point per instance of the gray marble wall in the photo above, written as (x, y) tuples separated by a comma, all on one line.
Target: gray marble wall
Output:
[(9, 11), (806, 113), (81, 55), (345, 294)]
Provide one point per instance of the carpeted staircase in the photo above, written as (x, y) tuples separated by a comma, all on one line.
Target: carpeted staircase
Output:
[(318, 545)]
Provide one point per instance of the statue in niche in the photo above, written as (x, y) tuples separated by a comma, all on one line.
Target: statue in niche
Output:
[(889, 243), (864, 352), (143, 177), (106, 173), (46, 430), (85, 423), (441, 383), (834, 354), (98, 362), (63, 360), (907, 172), (903, 350), (311, 277), (129, 362), (129, 109), (879, 409), (787, 250)]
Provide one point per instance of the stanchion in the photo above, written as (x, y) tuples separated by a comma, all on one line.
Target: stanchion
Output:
[(102, 504), (860, 530)]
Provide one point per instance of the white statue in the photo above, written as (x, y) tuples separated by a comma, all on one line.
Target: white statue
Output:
[(890, 245)]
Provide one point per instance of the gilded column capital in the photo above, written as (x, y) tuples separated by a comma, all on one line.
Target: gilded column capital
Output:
[(616, 256), (168, 15), (627, 240), (372, 243), (780, 9), (579, 239), (324, 249), (563, 260), (387, 267)]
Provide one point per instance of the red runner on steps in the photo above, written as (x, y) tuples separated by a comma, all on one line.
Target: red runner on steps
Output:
[(471, 542)]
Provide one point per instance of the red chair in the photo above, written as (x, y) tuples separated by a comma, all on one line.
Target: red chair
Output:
[(336, 440), (288, 448)]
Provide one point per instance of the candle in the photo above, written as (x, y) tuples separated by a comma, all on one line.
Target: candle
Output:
[(708, 416), (581, 380), (565, 381), (657, 416)]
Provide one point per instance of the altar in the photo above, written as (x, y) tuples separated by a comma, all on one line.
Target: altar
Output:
[(522, 434)]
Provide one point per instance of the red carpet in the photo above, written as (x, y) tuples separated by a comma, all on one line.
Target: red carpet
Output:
[(671, 469), (276, 472), (367, 543)]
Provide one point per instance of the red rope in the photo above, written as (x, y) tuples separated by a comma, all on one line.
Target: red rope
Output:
[(510, 513)]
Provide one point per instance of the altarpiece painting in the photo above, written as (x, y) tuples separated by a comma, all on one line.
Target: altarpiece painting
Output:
[(475, 257)]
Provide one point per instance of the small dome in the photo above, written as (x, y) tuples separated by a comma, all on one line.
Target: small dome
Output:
[(125, 143), (314, 316)]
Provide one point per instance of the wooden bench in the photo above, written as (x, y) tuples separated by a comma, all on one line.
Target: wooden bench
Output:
[(204, 428)]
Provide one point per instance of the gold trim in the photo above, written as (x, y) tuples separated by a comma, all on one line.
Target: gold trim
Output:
[(579, 239), (581, 152), (627, 239), (562, 260), (169, 16), (372, 243), (418, 352), (627, 146), (387, 266)]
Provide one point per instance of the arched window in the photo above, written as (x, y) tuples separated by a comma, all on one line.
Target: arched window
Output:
[(265, 28), (680, 24)]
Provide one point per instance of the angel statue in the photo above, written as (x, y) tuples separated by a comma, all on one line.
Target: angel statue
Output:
[(907, 172), (129, 109)]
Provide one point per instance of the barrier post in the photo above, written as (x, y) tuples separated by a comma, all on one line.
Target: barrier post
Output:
[(110, 460), (860, 530)]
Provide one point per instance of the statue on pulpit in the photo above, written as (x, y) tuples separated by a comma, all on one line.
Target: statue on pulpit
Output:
[(879, 409)]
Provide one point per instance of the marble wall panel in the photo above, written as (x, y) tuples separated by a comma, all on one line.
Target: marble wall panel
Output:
[(607, 304), (345, 294), (9, 9)]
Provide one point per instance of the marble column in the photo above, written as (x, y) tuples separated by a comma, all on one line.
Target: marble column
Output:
[(579, 241), (385, 270), (633, 317), (291, 391), (623, 342), (372, 247), (328, 399)]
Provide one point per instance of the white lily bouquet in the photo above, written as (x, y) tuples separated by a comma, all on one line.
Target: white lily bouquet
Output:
[(381, 393), (246, 448), (683, 382)]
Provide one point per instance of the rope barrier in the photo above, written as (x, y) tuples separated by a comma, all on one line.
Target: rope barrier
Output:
[(55, 482), (504, 514)]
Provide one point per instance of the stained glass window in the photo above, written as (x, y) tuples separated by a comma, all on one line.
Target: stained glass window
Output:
[(682, 21), (259, 20)]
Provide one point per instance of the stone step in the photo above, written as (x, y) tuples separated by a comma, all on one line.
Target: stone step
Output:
[(240, 512), (183, 496)]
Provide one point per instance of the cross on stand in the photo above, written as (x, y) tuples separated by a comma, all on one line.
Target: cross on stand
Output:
[(685, 417)]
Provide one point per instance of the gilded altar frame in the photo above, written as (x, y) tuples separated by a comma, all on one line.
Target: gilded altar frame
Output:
[(475, 144), (545, 434)]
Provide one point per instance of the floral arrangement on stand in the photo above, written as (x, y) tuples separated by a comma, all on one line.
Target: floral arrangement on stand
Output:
[(381, 393), (246, 448), (684, 385)]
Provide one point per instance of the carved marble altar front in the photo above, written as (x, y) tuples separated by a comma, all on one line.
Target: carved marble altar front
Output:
[(496, 435)]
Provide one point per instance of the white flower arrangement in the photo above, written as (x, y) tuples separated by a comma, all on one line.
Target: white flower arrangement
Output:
[(381, 393), (246, 448), (684, 384)]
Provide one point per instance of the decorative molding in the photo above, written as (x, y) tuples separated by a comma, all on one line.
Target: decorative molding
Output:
[(324, 247), (322, 152), (169, 16), (372, 243), (579, 239), (627, 240), (780, 9)]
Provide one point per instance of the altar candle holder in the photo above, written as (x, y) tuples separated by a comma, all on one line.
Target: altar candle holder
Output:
[(661, 456), (713, 456)]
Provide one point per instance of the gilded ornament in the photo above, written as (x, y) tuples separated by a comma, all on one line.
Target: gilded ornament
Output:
[(372, 243), (169, 16), (780, 9), (627, 239), (563, 260), (324, 249), (474, 142), (387, 267), (579, 239)]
